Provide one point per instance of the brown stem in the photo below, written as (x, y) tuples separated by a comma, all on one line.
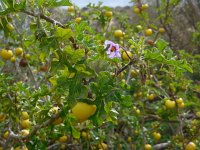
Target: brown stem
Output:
[(48, 19), (123, 68)]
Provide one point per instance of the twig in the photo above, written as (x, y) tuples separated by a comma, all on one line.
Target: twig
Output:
[(164, 92), (161, 145), (32, 76), (48, 19), (123, 68)]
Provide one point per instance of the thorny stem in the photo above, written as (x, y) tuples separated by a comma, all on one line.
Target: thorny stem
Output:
[(123, 68)]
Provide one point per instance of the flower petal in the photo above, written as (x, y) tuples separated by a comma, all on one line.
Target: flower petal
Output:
[(106, 43), (118, 55), (110, 52), (112, 55)]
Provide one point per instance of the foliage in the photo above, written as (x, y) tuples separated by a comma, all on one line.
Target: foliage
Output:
[(63, 64)]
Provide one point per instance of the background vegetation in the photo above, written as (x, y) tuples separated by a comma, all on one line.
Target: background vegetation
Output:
[(60, 88)]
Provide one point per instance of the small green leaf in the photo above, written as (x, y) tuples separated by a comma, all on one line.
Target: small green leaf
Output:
[(56, 3), (161, 44), (63, 34), (8, 6), (40, 2), (75, 133), (79, 54), (126, 101), (53, 3)]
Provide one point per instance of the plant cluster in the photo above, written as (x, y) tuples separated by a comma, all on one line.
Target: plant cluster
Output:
[(74, 85)]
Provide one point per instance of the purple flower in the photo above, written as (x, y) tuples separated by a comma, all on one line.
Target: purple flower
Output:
[(112, 49)]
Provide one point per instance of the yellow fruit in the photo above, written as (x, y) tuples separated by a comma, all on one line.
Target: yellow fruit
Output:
[(136, 132), (10, 27), (145, 6), (179, 100), (78, 19), (84, 134), (190, 146), (129, 139), (139, 27), (135, 72), (125, 56), (137, 111), (120, 146), (118, 33), (103, 146), (62, 147), (83, 111), (27, 56), (136, 10), (161, 30), (2, 117), (21, 148), (170, 104), (25, 124), (151, 97), (24, 132), (18, 51), (13, 59), (133, 146), (139, 94), (147, 147), (5, 135), (24, 115), (58, 121), (6, 54), (17, 148), (70, 9), (148, 32), (108, 14), (63, 138), (121, 75), (181, 105), (156, 135), (1, 148), (198, 114)]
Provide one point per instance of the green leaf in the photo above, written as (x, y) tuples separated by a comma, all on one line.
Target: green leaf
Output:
[(63, 34), (74, 55), (40, 2), (81, 68), (180, 65), (75, 133), (157, 56), (70, 120), (47, 43), (108, 106), (78, 54), (53, 3), (56, 3), (111, 112), (161, 44), (126, 101), (8, 6)]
